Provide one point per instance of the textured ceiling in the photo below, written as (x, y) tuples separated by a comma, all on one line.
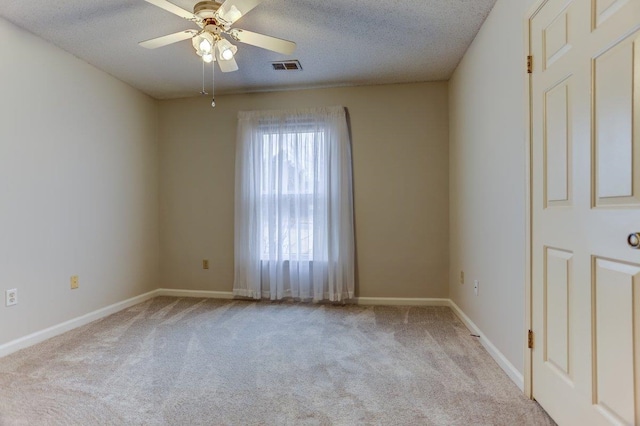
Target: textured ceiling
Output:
[(340, 42)]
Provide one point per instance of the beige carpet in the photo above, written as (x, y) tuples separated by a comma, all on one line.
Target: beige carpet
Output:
[(173, 361)]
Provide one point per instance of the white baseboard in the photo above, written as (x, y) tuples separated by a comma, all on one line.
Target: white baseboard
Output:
[(399, 301), (371, 301), (47, 333), (502, 361), (195, 293)]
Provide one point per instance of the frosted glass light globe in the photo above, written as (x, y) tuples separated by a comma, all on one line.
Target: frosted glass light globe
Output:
[(205, 45)]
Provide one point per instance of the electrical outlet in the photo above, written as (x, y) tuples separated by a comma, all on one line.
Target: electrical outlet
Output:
[(75, 282), (11, 297), (476, 287), (461, 277), (205, 264)]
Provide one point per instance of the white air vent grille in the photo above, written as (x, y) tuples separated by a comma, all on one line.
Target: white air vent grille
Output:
[(287, 66)]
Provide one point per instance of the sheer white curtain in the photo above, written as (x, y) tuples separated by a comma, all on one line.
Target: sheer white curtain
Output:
[(294, 233)]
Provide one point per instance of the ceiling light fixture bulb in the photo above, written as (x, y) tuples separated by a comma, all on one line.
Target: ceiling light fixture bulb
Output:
[(227, 54), (205, 46), (226, 50), (207, 57), (203, 43)]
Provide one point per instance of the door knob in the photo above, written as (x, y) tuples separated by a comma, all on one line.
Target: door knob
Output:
[(634, 240)]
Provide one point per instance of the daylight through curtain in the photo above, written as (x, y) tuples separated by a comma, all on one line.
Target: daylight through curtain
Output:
[(294, 233)]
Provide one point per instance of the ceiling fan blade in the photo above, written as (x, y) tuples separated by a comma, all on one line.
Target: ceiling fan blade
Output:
[(154, 43), (232, 10), (228, 66), (279, 45), (170, 7)]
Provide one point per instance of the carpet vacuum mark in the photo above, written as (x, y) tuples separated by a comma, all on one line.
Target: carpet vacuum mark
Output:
[(179, 361)]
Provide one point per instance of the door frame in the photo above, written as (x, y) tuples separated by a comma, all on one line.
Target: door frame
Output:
[(528, 293)]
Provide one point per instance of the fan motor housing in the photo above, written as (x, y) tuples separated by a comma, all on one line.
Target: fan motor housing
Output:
[(206, 9)]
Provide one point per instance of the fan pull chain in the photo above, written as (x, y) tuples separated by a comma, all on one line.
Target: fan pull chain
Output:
[(203, 91), (213, 82)]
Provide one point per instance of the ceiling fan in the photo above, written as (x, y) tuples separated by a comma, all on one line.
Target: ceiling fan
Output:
[(215, 20)]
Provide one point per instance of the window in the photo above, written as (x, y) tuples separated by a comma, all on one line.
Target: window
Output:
[(294, 205), (287, 182)]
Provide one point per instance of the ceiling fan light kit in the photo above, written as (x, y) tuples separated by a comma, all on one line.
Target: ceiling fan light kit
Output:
[(215, 20)]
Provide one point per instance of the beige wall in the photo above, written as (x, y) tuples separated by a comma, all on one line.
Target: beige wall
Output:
[(487, 179), (400, 138), (78, 186)]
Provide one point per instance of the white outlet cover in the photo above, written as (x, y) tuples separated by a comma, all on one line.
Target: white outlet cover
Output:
[(11, 297)]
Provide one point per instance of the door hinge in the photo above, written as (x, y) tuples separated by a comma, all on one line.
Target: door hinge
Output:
[(530, 339), (529, 64)]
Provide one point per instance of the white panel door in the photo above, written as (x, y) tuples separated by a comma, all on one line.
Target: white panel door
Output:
[(585, 201)]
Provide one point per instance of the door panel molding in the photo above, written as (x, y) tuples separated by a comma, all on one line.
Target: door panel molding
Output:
[(615, 137), (614, 315)]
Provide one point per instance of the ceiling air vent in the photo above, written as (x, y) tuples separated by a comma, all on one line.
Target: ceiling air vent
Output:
[(287, 66)]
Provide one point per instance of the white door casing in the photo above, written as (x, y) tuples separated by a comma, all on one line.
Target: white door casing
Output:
[(585, 200)]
